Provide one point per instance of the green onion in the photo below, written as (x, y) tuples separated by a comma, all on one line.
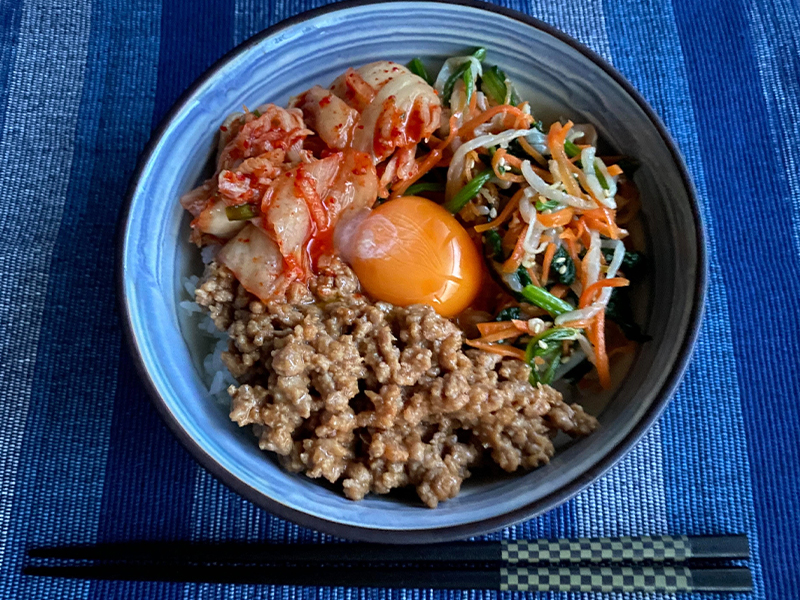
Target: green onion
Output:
[(494, 245), (242, 212), (599, 174), (469, 83), (469, 191), (493, 84), (424, 186), (257, 113), (549, 205), (447, 89), (544, 299), (571, 149), (417, 68)]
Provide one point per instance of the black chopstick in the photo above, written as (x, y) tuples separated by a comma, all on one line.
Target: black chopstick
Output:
[(653, 579), (650, 549)]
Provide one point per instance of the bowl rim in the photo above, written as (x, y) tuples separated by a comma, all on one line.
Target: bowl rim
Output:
[(444, 533)]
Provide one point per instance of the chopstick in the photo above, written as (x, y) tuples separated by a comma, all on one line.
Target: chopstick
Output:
[(651, 549), (653, 579), (663, 564)]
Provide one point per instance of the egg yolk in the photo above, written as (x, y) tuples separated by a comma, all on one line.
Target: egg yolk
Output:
[(413, 251)]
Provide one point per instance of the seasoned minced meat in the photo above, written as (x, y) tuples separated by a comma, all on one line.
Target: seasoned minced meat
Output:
[(377, 396)]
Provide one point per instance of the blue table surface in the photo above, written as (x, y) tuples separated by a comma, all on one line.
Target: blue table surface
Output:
[(83, 455)]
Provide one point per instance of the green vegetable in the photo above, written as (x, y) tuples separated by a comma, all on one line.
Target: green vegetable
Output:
[(469, 83), (620, 310), (447, 89), (424, 186), (417, 68), (493, 244), (508, 314), (539, 125), (633, 263), (547, 345), (544, 299), (523, 276), (548, 205), (599, 174), (469, 191), (571, 149), (493, 84), (562, 259), (241, 212), (257, 113)]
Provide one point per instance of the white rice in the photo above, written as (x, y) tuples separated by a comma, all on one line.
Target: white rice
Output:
[(216, 375)]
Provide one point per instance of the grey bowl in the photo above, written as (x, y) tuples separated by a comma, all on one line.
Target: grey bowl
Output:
[(561, 78)]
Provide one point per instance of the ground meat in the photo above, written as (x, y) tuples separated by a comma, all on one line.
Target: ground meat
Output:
[(376, 396)]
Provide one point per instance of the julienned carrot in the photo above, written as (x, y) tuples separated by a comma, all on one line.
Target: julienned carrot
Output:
[(614, 170), (559, 290), (521, 325), (534, 278), (546, 175), (511, 159), (549, 253), (505, 334), (600, 227), (582, 232), (507, 211), (597, 337), (515, 260), (532, 151), (604, 220), (468, 128), (588, 294), (501, 349), (431, 160), (556, 219), (569, 239), (491, 327), (579, 324), (505, 176), (555, 141)]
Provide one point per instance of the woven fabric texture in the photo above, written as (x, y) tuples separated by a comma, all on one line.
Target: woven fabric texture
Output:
[(84, 457)]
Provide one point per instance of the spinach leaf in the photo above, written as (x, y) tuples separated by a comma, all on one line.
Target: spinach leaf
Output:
[(564, 266), (508, 314)]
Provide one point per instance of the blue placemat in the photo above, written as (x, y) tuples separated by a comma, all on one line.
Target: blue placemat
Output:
[(84, 457)]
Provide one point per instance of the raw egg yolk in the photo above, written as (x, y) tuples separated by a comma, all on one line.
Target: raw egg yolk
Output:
[(413, 251)]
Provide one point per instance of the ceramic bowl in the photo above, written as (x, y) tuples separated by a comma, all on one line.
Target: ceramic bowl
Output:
[(561, 78)]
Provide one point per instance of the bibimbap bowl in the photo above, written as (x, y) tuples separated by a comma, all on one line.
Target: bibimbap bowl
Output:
[(560, 78)]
